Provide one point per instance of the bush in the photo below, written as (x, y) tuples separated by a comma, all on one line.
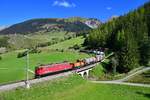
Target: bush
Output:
[(35, 50), (62, 50), (57, 49), (21, 54), (4, 41), (0, 58), (76, 47), (97, 71), (44, 44)]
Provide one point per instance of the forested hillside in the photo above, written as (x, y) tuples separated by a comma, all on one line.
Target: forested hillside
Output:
[(128, 36)]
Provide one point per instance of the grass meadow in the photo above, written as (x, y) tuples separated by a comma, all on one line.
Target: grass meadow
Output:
[(76, 88)]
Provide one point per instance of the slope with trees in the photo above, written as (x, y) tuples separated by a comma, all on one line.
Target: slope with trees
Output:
[(128, 36)]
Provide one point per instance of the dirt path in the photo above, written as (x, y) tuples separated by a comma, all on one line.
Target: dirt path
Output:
[(133, 74), (122, 81)]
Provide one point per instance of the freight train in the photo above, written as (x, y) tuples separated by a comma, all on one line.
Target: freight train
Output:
[(48, 69)]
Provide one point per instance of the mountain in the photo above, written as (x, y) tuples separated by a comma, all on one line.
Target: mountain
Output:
[(43, 25), (91, 22)]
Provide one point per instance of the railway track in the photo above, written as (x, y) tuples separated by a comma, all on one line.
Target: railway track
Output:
[(15, 85)]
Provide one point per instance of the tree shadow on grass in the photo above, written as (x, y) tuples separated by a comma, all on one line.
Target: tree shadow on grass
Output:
[(144, 94)]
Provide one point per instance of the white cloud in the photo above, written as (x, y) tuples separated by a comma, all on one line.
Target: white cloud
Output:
[(63, 4), (108, 8), (2, 27)]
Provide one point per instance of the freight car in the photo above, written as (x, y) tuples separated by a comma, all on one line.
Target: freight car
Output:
[(89, 61), (78, 64), (100, 56)]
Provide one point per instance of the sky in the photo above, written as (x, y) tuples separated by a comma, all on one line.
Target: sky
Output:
[(15, 11)]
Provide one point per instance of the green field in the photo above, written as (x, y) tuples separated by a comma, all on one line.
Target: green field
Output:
[(68, 43), (18, 41), (45, 37), (13, 68), (75, 88)]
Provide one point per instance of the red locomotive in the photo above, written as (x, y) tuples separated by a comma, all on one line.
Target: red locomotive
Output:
[(52, 68)]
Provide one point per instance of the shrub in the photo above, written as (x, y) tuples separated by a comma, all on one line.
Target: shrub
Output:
[(57, 49), (76, 47), (0, 57), (4, 41), (21, 54), (34, 50), (62, 50)]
